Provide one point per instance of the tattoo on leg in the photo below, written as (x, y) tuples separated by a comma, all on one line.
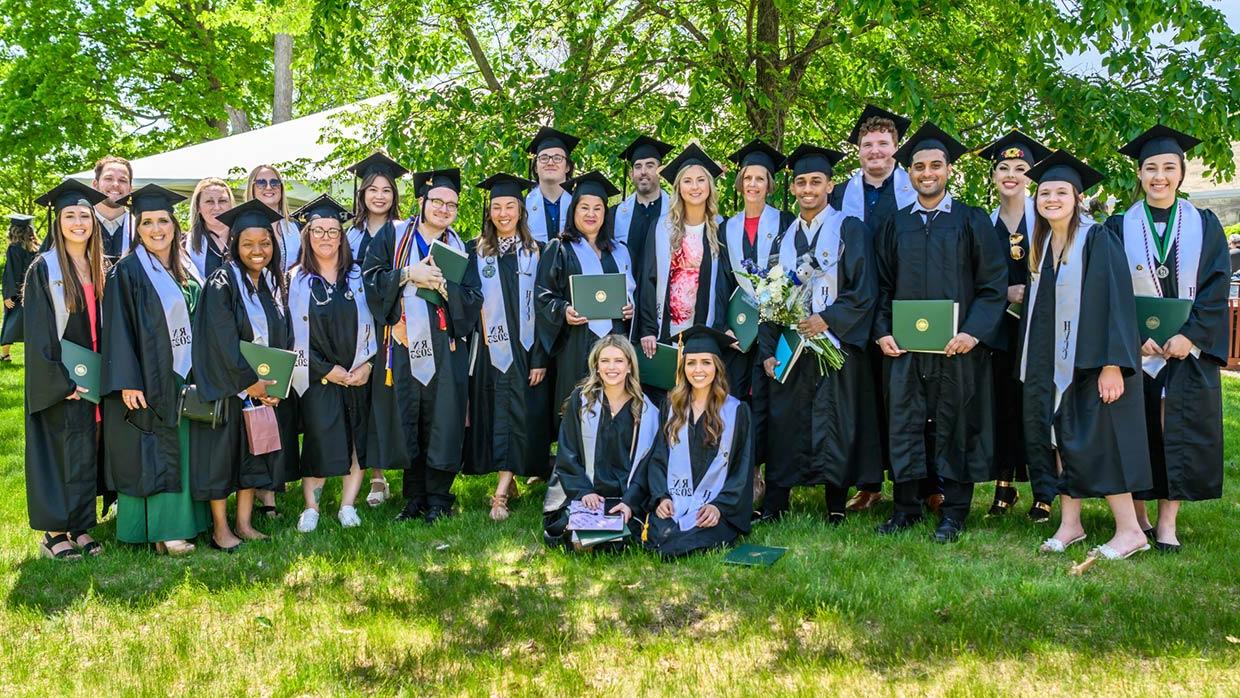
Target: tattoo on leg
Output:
[(318, 494)]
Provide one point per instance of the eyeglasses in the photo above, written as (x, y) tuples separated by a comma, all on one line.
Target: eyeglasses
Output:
[(551, 159), (325, 233), (445, 205), (273, 183)]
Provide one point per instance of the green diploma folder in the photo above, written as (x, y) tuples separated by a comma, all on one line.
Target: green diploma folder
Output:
[(925, 326), (1161, 319), (660, 371), (271, 365), (749, 555), (599, 296), (452, 262), (583, 540), (84, 368), (743, 318)]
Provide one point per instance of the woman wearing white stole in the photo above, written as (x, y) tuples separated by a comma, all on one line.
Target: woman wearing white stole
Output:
[(1080, 362), (700, 470), (62, 430), (608, 429), (509, 399), (334, 337), (147, 352), (1176, 250)]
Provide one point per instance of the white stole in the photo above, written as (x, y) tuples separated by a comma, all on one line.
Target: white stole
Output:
[(1068, 286), (687, 499), (288, 236), (734, 232), (299, 296), (647, 429), (824, 236), (417, 319), (624, 215), (199, 259), (592, 265), (56, 289), (663, 264), (538, 220), (176, 312), (495, 306), (854, 194), (254, 306), (356, 234), (1186, 237), (1029, 216)]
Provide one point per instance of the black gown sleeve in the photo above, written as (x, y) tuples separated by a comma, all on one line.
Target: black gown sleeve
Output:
[(1108, 310), (1207, 324), (735, 500), (850, 316), (551, 295), (122, 366), (647, 321), (985, 314), (465, 302), (381, 280), (12, 272), (724, 284), (885, 277), (569, 461), (219, 368), (655, 468), (47, 380)]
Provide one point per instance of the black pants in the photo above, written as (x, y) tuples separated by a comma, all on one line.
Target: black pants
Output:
[(428, 485), (777, 498), (957, 497)]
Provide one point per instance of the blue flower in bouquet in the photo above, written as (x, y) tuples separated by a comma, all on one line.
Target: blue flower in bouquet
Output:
[(796, 280)]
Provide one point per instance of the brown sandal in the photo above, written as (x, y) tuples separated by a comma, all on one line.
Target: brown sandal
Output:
[(499, 507)]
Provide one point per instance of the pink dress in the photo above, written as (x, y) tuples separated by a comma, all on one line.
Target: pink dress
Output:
[(683, 277)]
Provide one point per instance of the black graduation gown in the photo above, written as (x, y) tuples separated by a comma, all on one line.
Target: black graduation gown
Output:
[(734, 501), (647, 322), (956, 257), (1009, 424), (335, 419), (220, 458), (62, 445), (1187, 456), (113, 243), (640, 224), (416, 425), (884, 208), (1102, 446), (613, 448), (567, 346), (509, 422), (17, 260), (142, 454), (823, 429), (214, 258)]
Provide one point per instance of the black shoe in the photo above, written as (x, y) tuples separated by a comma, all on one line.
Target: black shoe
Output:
[(435, 513), (1040, 512), (414, 509), (1167, 547), (898, 522), (1005, 496), (835, 518), (949, 530), (771, 517), (222, 549)]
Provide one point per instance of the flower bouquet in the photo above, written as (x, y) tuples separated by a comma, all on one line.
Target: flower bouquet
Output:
[(783, 298)]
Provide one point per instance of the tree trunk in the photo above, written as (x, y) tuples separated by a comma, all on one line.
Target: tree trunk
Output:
[(768, 113), (238, 120), (282, 105)]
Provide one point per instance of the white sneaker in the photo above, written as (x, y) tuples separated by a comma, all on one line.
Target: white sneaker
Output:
[(308, 521), (348, 517)]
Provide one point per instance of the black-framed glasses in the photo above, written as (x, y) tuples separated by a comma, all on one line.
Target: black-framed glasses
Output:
[(273, 183), (551, 159), (325, 233)]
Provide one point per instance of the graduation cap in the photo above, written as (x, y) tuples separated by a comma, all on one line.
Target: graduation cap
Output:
[(548, 137), (1062, 166), (1159, 140), (70, 193), (151, 197), (251, 214), (644, 147), (691, 155), (811, 158), (757, 152), (506, 185), (873, 112), (591, 183), (701, 339), (322, 207), (20, 218), (930, 137), (431, 179), (378, 163), (1015, 146)]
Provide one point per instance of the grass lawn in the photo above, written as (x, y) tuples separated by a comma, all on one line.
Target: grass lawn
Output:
[(474, 607)]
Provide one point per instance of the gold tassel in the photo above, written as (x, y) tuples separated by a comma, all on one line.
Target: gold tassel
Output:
[(645, 528)]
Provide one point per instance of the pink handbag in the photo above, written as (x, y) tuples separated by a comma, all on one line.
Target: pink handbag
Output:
[(262, 430)]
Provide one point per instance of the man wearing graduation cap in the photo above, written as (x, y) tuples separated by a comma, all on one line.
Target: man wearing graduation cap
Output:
[(114, 177), (821, 429), (377, 174), (1176, 250), (419, 393), (633, 217), (939, 406), (551, 165)]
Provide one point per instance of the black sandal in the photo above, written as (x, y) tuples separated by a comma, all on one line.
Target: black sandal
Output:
[(92, 548), (1040, 512), (269, 511), (1005, 496), (49, 542)]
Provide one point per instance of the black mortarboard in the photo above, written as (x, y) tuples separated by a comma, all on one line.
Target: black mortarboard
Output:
[(71, 193), (426, 181), (757, 152), (871, 112), (644, 147), (691, 155), (811, 158), (151, 197), (251, 214), (378, 163), (591, 183), (1015, 146), (1062, 166), (930, 137), (20, 218), (548, 137), (702, 339), (1158, 140), (322, 207), (506, 185)]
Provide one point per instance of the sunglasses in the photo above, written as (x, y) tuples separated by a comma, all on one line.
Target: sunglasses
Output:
[(273, 183)]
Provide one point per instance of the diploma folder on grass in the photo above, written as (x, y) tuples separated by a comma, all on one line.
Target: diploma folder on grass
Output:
[(750, 555), (660, 371), (83, 366), (599, 296), (743, 318), (452, 262), (924, 326), (1161, 319), (271, 365)]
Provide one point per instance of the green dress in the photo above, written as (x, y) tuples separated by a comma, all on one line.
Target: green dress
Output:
[(170, 515)]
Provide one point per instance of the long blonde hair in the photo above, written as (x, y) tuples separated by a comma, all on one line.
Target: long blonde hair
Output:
[(676, 213), (680, 402), (249, 187), (592, 385), (198, 226), (75, 297), (1042, 231)]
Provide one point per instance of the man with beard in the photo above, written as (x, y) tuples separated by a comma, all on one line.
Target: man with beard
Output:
[(939, 406), (633, 217), (114, 177)]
